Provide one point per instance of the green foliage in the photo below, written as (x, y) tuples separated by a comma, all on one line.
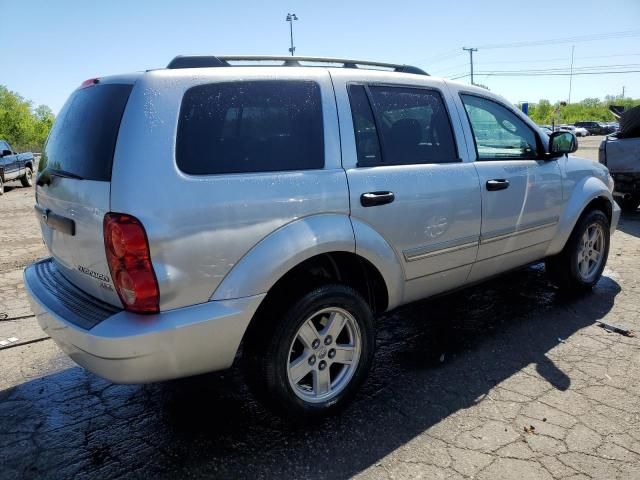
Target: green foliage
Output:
[(24, 127), (543, 113)]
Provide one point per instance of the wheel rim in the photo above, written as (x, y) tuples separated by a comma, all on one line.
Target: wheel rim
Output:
[(324, 355), (591, 251)]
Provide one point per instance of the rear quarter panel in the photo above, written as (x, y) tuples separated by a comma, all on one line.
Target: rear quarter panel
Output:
[(200, 227)]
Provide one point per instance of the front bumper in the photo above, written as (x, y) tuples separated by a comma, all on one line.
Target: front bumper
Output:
[(125, 347), (615, 218)]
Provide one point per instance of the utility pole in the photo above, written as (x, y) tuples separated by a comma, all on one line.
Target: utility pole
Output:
[(470, 50), (623, 91), (571, 74), (290, 18)]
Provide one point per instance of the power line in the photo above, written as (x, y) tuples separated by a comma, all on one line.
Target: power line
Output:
[(551, 60), (541, 74), (555, 41), (447, 69), (610, 72), (566, 69)]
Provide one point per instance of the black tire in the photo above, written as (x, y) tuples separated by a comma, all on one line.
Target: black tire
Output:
[(563, 269), (267, 352), (1, 186), (27, 178), (629, 204)]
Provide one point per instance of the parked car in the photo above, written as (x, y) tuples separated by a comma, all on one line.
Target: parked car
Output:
[(295, 204), (594, 128), (577, 131), (15, 166), (581, 132), (620, 152)]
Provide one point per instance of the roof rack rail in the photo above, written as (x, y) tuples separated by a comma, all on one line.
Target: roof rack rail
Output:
[(201, 61)]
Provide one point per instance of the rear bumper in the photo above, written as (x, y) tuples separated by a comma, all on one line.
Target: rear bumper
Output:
[(129, 348)]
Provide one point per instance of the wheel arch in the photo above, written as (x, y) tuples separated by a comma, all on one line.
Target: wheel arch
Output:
[(591, 193), (325, 245)]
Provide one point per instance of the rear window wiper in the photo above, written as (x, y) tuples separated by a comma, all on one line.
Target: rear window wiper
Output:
[(44, 178)]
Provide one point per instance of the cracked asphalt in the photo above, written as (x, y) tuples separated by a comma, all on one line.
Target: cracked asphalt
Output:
[(505, 380)]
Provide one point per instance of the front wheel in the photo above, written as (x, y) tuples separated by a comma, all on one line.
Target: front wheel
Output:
[(27, 178), (580, 264), (310, 360)]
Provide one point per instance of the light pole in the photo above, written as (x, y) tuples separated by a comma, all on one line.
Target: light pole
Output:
[(290, 18)]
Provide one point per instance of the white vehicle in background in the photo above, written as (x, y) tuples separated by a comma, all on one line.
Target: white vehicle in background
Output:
[(577, 131)]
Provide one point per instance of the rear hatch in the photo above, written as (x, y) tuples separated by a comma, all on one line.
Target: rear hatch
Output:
[(73, 186)]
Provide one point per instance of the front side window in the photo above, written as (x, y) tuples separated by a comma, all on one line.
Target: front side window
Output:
[(252, 126), (499, 134), (414, 126)]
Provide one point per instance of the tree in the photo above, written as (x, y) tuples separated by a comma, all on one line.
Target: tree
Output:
[(24, 127)]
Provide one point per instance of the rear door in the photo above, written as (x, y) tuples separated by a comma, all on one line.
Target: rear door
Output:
[(73, 187), (408, 181)]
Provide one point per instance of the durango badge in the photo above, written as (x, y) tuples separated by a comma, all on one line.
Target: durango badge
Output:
[(96, 275)]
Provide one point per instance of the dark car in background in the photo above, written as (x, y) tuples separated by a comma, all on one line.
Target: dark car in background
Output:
[(594, 128), (15, 166)]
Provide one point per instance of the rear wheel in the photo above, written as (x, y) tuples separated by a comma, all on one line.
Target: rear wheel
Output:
[(27, 178), (580, 264), (310, 360), (630, 204), (1, 186)]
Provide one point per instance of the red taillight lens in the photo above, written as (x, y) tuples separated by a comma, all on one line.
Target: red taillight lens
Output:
[(89, 83), (129, 260)]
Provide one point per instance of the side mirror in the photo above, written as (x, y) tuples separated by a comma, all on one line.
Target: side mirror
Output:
[(561, 143), (5, 153)]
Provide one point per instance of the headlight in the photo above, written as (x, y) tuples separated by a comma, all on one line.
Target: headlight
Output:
[(610, 183)]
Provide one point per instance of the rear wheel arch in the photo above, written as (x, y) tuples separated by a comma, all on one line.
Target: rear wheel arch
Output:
[(345, 268)]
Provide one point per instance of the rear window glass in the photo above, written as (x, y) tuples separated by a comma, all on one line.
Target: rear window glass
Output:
[(414, 126), (83, 138), (254, 126)]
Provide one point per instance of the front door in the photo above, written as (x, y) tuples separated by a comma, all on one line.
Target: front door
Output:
[(521, 192), (408, 182)]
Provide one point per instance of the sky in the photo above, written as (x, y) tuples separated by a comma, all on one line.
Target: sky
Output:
[(49, 47)]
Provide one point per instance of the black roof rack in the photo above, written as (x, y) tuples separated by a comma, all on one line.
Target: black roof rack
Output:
[(201, 61)]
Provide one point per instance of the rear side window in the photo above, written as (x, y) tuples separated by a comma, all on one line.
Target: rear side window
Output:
[(414, 126), (255, 126), (83, 138)]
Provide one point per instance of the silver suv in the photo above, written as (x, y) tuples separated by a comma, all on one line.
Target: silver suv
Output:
[(216, 202)]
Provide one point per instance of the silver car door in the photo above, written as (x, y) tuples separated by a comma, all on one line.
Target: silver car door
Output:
[(408, 178)]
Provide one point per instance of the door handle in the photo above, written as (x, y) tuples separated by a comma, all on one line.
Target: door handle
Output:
[(371, 199), (497, 184)]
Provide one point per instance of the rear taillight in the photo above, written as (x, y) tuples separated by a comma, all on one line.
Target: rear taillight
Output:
[(130, 263)]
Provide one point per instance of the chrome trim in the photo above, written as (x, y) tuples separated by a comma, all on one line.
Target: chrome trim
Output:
[(519, 230), (433, 250)]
